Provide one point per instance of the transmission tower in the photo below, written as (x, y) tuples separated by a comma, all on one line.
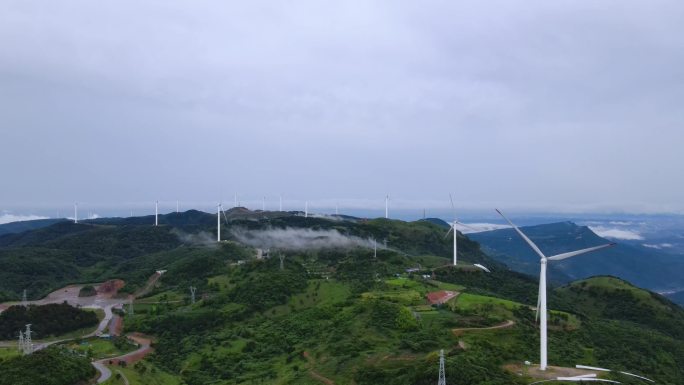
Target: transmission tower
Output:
[(22, 343), (192, 294), (281, 256), (442, 379), (375, 248), (28, 343)]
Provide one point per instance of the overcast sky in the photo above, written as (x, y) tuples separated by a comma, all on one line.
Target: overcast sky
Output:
[(539, 105)]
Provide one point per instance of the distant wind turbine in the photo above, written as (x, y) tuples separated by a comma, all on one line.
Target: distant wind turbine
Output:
[(306, 209), (218, 222), (453, 228), (541, 300), (280, 206), (76, 212), (156, 213), (386, 206)]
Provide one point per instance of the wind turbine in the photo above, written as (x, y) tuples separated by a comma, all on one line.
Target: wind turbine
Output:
[(306, 209), (453, 228), (280, 206), (263, 204), (156, 213), (218, 222), (76, 212), (386, 206), (541, 300), (219, 211)]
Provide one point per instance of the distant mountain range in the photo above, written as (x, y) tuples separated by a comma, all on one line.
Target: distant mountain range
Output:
[(648, 268), (21, 226)]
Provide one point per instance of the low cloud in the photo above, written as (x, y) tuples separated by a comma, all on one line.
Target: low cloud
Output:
[(299, 239), (606, 232), (620, 223), (9, 218), (202, 238), (657, 246)]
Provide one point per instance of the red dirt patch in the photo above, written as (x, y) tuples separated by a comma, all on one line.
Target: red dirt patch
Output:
[(110, 288), (116, 325), (440, 297)]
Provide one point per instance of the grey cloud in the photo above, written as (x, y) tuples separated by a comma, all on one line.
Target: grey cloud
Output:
[(299, 239), (552, 105)]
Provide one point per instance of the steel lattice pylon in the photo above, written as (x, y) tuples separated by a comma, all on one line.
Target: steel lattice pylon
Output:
[(442, 379)]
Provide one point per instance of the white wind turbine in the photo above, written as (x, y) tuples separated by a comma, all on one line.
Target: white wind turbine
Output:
[(541, 300), (219, 211), (453, 228), (156, 213), (218, 222), (76, 212), (386, 206)]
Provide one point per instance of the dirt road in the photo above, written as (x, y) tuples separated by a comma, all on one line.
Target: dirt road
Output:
[(507, 324)]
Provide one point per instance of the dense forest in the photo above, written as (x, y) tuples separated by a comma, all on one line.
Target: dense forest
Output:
[(46, 320), (51, 366)]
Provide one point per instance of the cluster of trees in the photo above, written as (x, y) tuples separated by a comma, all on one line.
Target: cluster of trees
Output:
[(51, 366), (46, 320)]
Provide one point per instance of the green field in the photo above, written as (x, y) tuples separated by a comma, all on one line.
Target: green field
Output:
[(319, 292), (141, 373), (99, 348), (8, 352)]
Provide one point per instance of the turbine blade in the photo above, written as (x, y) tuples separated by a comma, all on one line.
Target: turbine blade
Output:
[(448, 232), (467, 226), (528, 240), (224, 214), (578, 252), (452, 203)]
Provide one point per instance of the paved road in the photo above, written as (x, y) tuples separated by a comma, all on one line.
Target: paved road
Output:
[(144, 349), (105, 373)]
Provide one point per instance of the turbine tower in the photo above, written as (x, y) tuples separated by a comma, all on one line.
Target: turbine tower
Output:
[(386, 206), (263, 204), (177, 207), (541, 299), (453, 228), (442, 377), (236, 202), (218, 222), (76, 212), (156, 213), (306, 209), (24, 302), (280, 207)]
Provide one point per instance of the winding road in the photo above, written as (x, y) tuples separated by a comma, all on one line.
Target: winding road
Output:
[(105, 299)]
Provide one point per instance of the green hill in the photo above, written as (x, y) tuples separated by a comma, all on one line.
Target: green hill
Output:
[(341, 314)]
